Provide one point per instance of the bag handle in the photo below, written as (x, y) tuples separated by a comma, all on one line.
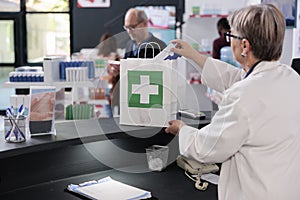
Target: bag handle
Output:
[(146, 45)]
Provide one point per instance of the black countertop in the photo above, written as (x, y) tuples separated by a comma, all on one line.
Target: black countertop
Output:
[(43, 166), (84, 131)]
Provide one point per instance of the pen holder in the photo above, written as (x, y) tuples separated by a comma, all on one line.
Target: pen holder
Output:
[(157, 157), (15, 129)]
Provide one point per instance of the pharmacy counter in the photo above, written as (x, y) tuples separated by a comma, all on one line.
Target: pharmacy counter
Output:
[(43, 166)]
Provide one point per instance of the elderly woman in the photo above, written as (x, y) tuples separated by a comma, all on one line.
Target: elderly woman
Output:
[(256, 132)]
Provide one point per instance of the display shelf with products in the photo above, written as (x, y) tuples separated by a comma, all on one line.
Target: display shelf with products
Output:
[(208, 15), (80, 94), (58, 85), (201, 18)]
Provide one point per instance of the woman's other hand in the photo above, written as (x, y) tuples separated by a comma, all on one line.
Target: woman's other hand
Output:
[(174, 126)]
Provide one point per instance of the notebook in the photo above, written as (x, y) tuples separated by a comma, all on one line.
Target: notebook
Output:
[(108, 188)]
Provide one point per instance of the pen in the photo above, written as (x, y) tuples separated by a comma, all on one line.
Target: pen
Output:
[(10, 117), (10, 120), (15, 122), (21, 132)]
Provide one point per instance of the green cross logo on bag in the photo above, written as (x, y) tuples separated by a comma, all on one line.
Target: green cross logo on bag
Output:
[(145, 89)]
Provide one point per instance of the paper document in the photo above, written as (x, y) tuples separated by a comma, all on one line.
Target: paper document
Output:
[(212, 178), (107, 188)]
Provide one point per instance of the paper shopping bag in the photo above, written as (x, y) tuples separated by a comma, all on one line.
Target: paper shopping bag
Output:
[(148, 92)]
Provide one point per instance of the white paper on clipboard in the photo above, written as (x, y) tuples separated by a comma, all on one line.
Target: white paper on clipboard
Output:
[(107, 188)]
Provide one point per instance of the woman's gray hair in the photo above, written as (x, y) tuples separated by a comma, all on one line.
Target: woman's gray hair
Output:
[(263, 26)]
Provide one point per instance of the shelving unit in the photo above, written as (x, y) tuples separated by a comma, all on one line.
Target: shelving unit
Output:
[(207, 16), (200, 30), (201, 24), (58, 85), (204, 20), (64, 84)]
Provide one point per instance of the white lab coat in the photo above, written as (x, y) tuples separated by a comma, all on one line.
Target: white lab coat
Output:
[(255, 133)]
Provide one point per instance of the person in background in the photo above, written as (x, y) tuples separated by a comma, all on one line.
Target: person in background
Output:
[(136, 25), (223, 27), (114, 93), (255, 134), (221, 50), (107, 47), (142, 44)]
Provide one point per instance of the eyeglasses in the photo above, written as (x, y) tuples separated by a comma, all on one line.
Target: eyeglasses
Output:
[(228, 36), (131, 27)]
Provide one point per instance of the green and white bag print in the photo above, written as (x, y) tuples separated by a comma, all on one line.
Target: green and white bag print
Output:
[(148, 91)]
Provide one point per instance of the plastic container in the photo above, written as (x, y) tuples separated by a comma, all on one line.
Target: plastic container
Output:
[(15, 129), (157, 157)]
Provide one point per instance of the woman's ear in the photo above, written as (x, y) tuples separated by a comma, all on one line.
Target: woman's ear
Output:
[(245, 47)]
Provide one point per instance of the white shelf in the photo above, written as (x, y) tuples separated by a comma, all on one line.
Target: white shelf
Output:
[(98, 101), (208, 15), (22, 84), (58, 85)]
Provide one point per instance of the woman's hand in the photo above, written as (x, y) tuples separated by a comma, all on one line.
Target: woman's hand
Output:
[(183, 48), (174, 126)]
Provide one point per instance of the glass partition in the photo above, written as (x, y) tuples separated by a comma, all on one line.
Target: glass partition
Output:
[(47, 34), (10, 5), (7, 53), (47, 5)]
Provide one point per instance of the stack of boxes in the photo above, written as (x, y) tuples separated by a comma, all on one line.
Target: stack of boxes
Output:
[(27, 74)]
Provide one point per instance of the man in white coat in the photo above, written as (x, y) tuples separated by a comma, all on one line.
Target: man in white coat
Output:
[(256, 132)]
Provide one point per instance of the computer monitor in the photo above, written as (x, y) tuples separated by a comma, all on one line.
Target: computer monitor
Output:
[(162, 21), (296, 65)]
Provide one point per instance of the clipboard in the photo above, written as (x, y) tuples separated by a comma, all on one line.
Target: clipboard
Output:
[(108, 188)]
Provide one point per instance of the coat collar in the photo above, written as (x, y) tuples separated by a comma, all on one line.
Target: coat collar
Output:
[(264, 66)]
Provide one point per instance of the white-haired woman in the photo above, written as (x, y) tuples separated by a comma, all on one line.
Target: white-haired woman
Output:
[(256, 132)]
